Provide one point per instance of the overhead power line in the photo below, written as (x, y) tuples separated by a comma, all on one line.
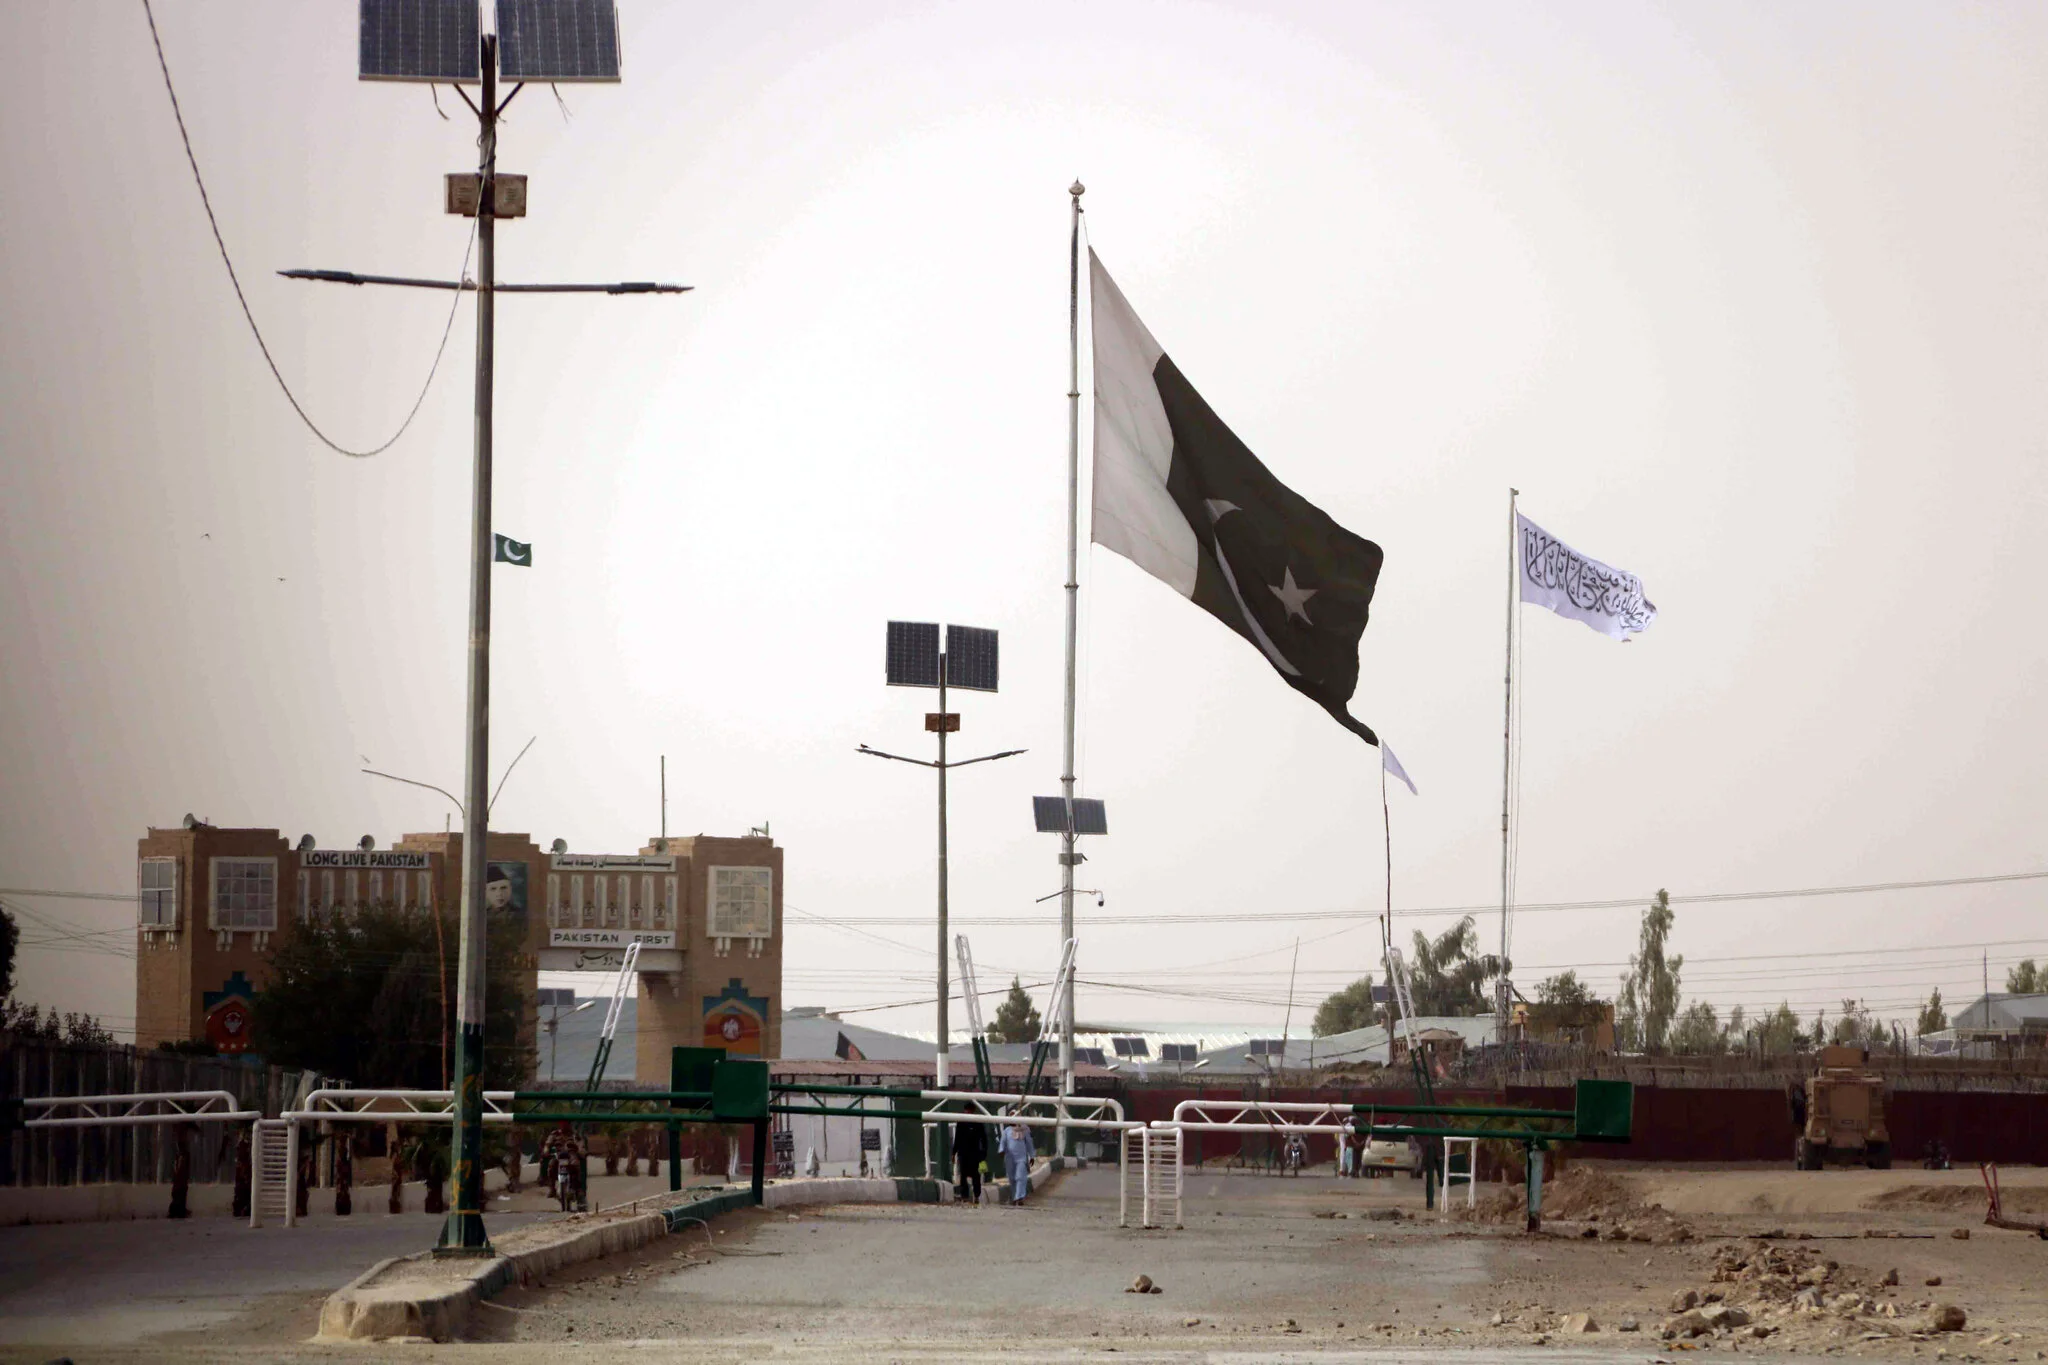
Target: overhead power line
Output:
[(1291, 916), (225, 259)]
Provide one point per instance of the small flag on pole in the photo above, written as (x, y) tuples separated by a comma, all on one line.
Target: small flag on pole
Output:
[(1393, 766), (1556, 576), (510, 551)]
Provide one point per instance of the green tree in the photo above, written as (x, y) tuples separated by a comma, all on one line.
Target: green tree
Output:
[(1819, 1035), (32, 1021), (1735, 1031), (370, 997), (1649, 992), (1933, 1017), (1016, 1018), (1856, 1027), (1564, 989), (1450, 974), (1348, 1009), (1698, 1032), (10, 939), (2026, 979), (1777, 1033)]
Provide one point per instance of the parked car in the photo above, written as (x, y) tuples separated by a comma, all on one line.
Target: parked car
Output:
[(1384, 1156)]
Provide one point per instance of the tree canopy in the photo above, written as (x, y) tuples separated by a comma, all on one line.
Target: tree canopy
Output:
[(10, 939), (1450, 974), (1016, 1018), (1933, 1017), (370, 996), (2026, 979), (1348, 1009), (1564, 989), (1648, 1002)]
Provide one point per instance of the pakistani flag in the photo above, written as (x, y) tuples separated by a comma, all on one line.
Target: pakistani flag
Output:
[(510, 551), (1178, 494)]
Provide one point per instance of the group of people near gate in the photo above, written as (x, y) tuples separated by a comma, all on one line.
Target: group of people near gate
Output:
[(971, 1155)]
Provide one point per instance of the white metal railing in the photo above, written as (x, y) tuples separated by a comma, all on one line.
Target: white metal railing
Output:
[(976, 1106), (273, 1172), (1156, 1152), (120, 1111), (393, 1106), (1257, 1116)]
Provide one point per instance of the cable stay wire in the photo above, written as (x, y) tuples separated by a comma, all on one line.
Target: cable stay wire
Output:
[(234, 279)]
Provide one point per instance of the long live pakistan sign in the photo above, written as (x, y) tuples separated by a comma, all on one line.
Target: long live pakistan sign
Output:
[(356, 857)]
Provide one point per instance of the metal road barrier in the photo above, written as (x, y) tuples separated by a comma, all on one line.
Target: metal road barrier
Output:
[(392, 1106), (124, 1111)]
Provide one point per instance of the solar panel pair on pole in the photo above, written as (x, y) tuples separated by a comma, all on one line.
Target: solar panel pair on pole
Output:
[(913, 658), (439, 41)]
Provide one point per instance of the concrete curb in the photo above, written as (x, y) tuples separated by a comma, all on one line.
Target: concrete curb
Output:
[(379, 1306)]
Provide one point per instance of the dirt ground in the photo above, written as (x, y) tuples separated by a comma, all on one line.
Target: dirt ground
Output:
[(1275, 1268)]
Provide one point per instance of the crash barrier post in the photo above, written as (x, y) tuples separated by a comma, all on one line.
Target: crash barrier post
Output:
[(1468, 1148)]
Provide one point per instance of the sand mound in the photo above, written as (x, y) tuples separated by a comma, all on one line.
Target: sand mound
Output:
[(2024, 1199), (1609, 1205)]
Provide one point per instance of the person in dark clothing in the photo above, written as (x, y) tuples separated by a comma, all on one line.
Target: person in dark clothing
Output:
[(970, 1151)]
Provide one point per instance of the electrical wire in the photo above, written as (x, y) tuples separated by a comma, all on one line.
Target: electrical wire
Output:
[(206, 202)]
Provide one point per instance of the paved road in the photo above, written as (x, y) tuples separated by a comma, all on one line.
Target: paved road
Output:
[(106, 1283)]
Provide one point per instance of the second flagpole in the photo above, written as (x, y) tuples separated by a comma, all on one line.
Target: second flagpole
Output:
[(1073, 589), (1507, 752)]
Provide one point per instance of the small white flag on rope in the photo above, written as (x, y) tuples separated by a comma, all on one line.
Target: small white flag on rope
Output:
[(1573, 585), (1393, 765)]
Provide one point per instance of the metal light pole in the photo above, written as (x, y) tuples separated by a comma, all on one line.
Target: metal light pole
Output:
[(463, 1233), (916, 660), (464, 1230)]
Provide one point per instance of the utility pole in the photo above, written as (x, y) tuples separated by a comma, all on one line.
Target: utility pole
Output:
[(915, 659), (463, 1234), (464, 1231)]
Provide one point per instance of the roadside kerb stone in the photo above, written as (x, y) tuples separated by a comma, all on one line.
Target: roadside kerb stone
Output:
[(418, 1296)]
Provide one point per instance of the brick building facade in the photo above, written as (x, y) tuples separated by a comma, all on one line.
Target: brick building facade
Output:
[(707, 912)]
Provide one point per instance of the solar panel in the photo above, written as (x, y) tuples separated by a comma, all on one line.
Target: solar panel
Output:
[(913, 655), (417, 40), (558, 40), (1049, 813), (1089, 816), (971, 658)]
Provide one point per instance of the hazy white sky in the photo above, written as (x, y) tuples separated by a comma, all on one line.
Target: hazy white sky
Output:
[(1748, 299)]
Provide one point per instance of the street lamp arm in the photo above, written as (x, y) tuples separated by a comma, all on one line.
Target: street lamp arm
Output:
[(393, 777), (988, 758), (877, 753), (408, 282), (521, 754)]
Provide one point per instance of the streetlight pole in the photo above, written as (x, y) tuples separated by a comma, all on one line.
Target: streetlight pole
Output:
[(943, 721), (463, 1233)]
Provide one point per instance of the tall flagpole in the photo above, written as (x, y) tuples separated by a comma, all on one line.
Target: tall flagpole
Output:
[(1066, 1021), (1507, 756)]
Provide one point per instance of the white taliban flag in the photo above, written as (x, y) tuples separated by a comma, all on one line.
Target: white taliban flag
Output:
[(1573, 585)]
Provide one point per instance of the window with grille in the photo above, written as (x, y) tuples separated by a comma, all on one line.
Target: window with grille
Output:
[(667, 915), (157, 893), (245, 894), (742, 902), (426, 890)]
